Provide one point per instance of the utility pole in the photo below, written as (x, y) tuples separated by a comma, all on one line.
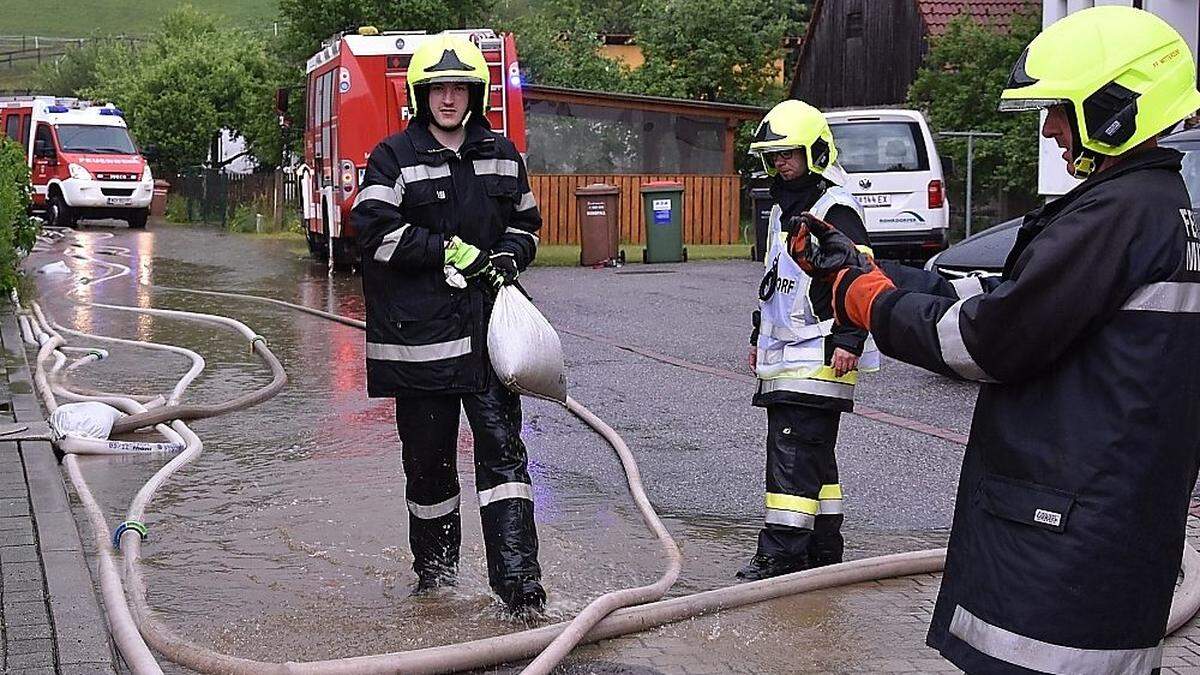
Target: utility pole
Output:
[(970, 136)]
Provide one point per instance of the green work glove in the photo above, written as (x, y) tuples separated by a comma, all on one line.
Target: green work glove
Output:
[(467, 258)]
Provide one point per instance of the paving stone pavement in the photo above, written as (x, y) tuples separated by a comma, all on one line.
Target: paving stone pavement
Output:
[(50, 620)]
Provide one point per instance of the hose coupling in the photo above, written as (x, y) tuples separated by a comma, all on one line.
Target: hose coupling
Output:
[(135, 525), (257, 338)]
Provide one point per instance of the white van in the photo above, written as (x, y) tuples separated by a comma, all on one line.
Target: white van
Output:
[(896, 174)]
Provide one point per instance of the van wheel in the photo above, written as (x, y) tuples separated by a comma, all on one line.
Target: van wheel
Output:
[(137, 219), (59, 213)]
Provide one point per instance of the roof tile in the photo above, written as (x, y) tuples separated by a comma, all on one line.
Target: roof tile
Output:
[(938, 13)]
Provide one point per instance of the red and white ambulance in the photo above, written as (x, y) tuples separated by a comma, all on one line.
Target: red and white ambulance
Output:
[(357, 95), (83, 161)]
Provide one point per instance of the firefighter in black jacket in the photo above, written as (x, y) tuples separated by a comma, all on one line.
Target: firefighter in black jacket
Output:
[(444, 217), (1069, 523), (806, 366)]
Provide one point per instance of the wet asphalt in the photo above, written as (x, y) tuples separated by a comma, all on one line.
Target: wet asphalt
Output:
[(286, 539)]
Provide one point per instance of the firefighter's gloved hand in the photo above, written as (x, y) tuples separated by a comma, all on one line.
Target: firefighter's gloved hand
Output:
[(855, 291), (467, 259), (826, 251), (857, 281), (504, 269)]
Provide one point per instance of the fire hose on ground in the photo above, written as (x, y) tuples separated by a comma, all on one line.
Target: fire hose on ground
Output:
[(613, 614)]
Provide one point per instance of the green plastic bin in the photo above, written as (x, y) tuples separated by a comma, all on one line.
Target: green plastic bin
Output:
[(662, 206)]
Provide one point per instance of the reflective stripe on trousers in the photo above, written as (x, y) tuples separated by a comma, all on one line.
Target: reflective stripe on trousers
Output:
[(792, 511), (431, 511), (808, 386), (830, 499), (1027, 652), (380, 351), (506, 491)]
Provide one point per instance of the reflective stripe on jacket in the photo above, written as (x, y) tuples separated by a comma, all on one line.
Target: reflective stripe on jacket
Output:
[(791, 337)]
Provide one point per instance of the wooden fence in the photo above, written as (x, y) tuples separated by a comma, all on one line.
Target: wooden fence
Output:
[(710, 206)]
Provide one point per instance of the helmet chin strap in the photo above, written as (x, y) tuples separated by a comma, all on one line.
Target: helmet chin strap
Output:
[(462, 123), (1084, 162)]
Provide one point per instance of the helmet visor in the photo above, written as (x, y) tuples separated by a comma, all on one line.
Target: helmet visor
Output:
[(1027, 104)]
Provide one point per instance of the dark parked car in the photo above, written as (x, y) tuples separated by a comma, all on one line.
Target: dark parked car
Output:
[(983, 254)]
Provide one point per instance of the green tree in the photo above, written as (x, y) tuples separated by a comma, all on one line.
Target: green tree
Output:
[(559, 44), (75, 71), (308, 22), (194, 79), (17, 230), (713, 51), (959, 88)]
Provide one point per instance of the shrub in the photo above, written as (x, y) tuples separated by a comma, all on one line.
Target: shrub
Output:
[(17, 230), (177, 209)]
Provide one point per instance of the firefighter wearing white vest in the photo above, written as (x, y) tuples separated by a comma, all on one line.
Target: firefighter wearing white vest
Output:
[(806, 366), (1071, 513)]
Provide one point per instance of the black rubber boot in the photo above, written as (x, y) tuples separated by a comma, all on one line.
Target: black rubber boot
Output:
[(522, 597), (431, 577), (435, 545), (765, 566), (826, 545)]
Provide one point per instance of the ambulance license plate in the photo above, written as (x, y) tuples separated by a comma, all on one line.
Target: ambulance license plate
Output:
[(119, 201), (874, 200)]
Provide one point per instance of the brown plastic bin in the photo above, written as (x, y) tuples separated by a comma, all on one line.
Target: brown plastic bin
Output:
[(158, 202), (599, 228)]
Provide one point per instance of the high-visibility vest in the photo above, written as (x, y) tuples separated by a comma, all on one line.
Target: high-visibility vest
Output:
[(791, 338)]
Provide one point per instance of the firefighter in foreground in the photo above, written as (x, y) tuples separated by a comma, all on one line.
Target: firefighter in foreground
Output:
[(807, 366), (444, 217), (1069, 524)]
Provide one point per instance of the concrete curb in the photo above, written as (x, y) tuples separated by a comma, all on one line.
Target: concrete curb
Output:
[(78, 631)]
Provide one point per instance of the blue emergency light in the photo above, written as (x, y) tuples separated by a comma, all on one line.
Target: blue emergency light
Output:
[(112, 111), (57, 109)]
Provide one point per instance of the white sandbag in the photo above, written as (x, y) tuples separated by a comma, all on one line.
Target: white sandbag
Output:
[(525, 351), (90, 419)]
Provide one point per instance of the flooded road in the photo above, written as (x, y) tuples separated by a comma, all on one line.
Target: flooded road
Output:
[(286, 539)]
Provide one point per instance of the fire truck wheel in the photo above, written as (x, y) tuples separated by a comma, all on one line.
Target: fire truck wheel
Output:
[(60, 214), (137, 219), (316, 245)]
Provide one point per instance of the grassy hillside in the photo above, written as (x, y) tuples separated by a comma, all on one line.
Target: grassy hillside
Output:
[(115, 17)]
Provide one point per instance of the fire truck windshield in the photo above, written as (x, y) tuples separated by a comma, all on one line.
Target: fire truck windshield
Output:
[(93, 138)]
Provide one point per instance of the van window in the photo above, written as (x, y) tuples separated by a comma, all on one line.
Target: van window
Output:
[(876, 147), (44, 134)]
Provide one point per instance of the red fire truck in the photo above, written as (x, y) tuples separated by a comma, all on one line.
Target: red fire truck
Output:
[(82, 160), (357, 96)]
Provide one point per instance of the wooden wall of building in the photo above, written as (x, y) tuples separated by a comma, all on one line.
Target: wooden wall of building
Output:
[(860, 53), (711, 206)]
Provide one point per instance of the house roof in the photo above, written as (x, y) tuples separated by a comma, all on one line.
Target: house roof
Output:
[(938, 13)]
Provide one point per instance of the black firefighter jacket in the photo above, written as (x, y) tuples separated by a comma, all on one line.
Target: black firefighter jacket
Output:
[(424, 335), (1069, 522)]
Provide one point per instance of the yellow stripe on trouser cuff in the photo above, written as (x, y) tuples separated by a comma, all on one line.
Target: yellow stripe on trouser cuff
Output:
[(830, 499), (791, 510)]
